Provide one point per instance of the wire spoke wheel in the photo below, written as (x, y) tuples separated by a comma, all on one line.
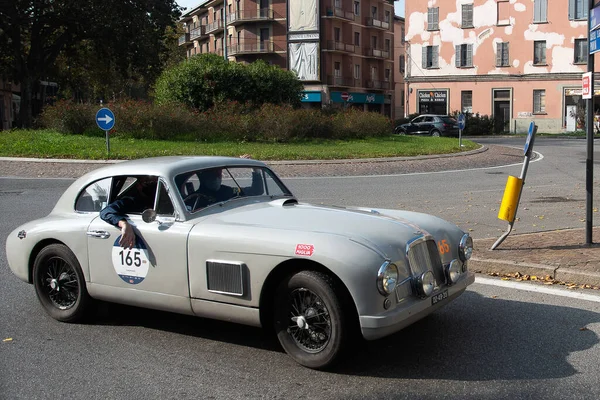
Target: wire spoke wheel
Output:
[(310, 324), (60, 283)]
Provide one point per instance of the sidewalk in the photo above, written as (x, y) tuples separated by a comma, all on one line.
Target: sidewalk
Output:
[(555, 257)]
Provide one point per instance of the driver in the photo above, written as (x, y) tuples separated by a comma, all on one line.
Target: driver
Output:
[(137, 199), (212, 191)]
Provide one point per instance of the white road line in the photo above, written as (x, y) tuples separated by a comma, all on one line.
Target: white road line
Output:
[(540, 158), (531, 287)]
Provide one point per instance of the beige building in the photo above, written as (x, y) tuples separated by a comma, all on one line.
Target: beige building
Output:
[(400, 68), (342, 50), (516, 60)]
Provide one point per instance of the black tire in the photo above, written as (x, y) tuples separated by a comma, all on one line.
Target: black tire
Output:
[(56, 268), (436, 133), (399, 131), (310, 320)]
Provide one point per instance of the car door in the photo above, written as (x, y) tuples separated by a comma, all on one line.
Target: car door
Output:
[(427, 125), (154, 272), (414, 126)]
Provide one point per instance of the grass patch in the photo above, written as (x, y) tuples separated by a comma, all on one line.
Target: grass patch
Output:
[(51, 144)]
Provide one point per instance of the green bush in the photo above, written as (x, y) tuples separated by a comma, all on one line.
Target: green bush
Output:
[(476, 124), (68, 117)]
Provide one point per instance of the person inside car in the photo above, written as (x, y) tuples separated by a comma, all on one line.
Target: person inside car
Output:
[(136, 199)]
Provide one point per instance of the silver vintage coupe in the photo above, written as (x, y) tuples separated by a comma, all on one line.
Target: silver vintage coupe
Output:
[(224, 238)]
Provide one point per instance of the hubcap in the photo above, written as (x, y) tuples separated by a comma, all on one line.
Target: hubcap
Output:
[(59, 283), (310, 322)]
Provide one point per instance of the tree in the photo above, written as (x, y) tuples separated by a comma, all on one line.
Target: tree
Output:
[(128, 35), (206, 79)]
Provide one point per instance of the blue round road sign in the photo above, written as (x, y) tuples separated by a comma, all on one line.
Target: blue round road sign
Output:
[(461, 121), (105, 119), (529, 137)]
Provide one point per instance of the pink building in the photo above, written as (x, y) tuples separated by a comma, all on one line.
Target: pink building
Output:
[(515, 60)]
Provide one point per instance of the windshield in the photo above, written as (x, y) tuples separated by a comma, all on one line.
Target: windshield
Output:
[(204, 187)]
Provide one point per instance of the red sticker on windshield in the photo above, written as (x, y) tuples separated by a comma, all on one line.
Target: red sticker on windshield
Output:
[(305, 249)]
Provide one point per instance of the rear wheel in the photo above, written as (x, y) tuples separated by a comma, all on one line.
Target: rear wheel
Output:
[(59, 283), (310, 322), (435, 133)]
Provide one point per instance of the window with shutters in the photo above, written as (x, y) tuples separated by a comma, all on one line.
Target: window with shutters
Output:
[(433, 19), (581, 49), (401, 62), (402, 33), (540, 11), (467, 15), (387, 45), (356, 71), (539, 101), (539, 52), (337, 34), (578, 9), (503, 12), (356, 7), (430, 57), (357, 38), (337, 69), (502, 59), (464, 55), (387, 74), (466, 101)]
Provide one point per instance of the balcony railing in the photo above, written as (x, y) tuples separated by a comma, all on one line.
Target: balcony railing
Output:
[(183, 39), (343, 81), (339, 46), (241, 16), (377, 23), (252, 48), (213, 26), (339, 13), (369, 52), (382, 85), (196, 32)]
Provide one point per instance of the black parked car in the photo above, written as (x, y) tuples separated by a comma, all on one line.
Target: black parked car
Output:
[(429, 124)]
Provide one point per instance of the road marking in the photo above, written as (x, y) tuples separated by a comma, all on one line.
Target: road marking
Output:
[(539, 158), (530, 287)]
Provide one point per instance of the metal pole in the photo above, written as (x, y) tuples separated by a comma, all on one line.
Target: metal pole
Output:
[(107, 145), (589, 163)]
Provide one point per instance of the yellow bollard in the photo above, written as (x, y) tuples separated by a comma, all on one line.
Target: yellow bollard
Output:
[(510, 200)]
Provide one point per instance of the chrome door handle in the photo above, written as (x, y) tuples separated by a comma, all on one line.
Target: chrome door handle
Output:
[(98, 234)]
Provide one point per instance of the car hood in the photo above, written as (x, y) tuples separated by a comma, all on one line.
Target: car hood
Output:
[(375, 228)]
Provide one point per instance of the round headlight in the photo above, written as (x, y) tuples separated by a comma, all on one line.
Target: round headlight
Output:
[(465, 248), (426, 284), (387, 278), (454, 271)]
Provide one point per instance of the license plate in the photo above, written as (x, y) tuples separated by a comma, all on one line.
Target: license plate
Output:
[(439, 297)]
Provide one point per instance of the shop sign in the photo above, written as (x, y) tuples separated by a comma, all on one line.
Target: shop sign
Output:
[(295, 37), (358, 98), (311, 97), (433, 96)]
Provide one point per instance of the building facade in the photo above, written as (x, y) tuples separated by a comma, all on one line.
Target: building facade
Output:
[(400, 68), (515, 60), (342, 50)]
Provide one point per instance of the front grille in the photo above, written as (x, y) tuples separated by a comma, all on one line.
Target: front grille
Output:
[(423, 256), (224, 277)]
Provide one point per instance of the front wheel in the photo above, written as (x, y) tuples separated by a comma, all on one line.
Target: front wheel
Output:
[(59, 283), (309, 319)]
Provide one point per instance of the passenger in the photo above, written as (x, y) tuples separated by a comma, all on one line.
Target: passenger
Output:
[(138, 198)]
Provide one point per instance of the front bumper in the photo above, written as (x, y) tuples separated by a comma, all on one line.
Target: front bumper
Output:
[(377, 326)]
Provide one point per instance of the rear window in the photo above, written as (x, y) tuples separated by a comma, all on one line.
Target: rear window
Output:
[(448, 120)]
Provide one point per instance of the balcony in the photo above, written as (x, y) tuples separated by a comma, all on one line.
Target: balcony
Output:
[(337, 12), (196, 32), (339, 81), (381, 85), (252, 48), (214, 26), (377, 53), (243, 16), (183, 39), (377, 23), (333, 45)]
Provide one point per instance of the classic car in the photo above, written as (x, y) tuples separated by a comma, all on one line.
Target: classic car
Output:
[(316, 275)]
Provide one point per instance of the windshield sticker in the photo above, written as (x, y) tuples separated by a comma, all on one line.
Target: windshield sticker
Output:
[(305, 249), (131, 264)]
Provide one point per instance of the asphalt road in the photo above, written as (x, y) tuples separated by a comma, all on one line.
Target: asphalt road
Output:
[(492, 343)]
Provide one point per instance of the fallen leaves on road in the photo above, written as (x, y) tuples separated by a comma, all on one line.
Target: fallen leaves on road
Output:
[(546, 280), (8, 339)]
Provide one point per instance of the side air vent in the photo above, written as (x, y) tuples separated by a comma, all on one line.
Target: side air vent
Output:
[(225, 277)]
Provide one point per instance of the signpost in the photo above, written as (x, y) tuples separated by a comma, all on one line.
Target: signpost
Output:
[(105, 119), (461, 125), (345, 97)]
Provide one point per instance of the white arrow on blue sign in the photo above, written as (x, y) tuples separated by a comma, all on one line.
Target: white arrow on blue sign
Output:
[(105, 119), (529, 137), (461, 121)]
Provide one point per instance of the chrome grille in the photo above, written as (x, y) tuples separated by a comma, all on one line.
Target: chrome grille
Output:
[(423, 256), (223, 277)]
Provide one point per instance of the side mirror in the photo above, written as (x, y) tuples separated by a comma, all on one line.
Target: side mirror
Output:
[(149, 215)]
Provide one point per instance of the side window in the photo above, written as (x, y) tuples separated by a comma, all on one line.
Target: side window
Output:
[(164, 205), (94, 197)]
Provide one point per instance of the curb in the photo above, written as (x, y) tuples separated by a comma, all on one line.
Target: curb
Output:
[(482, 149)]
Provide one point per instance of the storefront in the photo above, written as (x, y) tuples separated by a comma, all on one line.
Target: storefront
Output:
[(432, 101), (311, 99)]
